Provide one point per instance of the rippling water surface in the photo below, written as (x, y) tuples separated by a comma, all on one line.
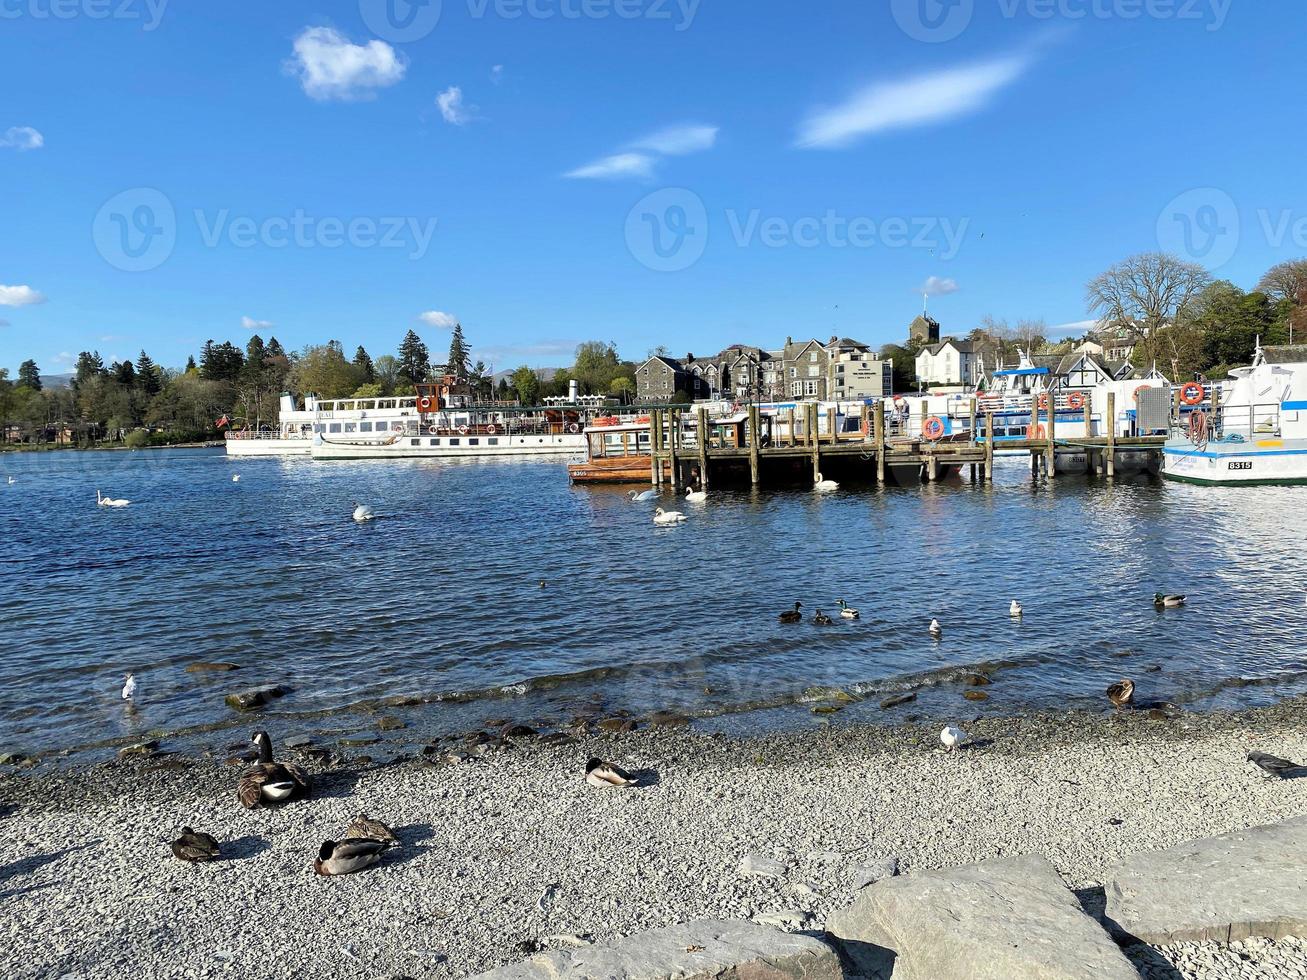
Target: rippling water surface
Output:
[(441, 596)]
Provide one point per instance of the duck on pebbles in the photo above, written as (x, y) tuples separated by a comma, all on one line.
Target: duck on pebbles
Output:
[(194, 847), (605, 775)]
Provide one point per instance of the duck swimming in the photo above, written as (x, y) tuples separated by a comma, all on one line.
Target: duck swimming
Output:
[(792, 615), (271, 782), (1167, 601), (846, 612), (821, 619)]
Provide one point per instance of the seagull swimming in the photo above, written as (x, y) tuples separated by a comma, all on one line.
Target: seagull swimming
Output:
[(1015, 610), (935, 629), (235, 478), (129, 687), (952, 737)]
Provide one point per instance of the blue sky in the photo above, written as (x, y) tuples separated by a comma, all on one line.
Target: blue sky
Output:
[(642, 171)]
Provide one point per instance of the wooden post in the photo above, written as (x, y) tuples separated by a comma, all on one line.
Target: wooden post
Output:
[(921, 426), (816, 443), (878, 430), (703, 448), (672, 425), (1110, 420), (1030, 433), (830, 426), (755, 445), (655, 440), (789, 426), (863, 427), (972, 422), (932, 468), (989, 447), (1051, 465)]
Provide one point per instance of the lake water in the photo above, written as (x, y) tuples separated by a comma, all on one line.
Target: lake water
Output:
[(440, 597)]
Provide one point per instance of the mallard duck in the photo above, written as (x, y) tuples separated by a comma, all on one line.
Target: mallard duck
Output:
[(362, 512), (271, 782), (1121, 693), (1015, 610), (846, 612), (823, 485), (347, 856), (194, 847), (696, 496), (1273, 764), (667, 516), (640, 496), (821, 619), (935, 629), (1167, 601), (605, 774), (952, 737), (792, 615), (364, 827)]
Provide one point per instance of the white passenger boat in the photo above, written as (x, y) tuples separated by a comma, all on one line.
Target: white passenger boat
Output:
[(1257, 433)]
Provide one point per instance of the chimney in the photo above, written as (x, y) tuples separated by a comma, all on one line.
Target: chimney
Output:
[(573, 391)]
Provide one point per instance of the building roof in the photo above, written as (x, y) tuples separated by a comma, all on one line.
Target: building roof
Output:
[(671, 362), (1285, 354), (961, 346)]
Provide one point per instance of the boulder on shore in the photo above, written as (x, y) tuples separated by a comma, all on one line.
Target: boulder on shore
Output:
[(256, 697)]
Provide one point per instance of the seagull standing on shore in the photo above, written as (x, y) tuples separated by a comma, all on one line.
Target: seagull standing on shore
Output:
[(129, 687), (952, 737), (935, 629)]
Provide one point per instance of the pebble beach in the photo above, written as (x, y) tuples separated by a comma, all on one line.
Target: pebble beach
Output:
[(510, 852)]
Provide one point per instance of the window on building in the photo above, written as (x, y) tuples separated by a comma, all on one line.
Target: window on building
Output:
[(365, 426), (335, 426), (810, 388)]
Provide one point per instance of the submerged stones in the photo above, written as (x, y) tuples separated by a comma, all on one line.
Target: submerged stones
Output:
[(205, 666), (975, 695), (256, 697), (896, 699)]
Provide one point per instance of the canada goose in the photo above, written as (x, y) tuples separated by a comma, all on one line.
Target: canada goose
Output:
[(1121, 693), (1015, 610), (362, 512), (821, 619), (1167, 601), (271, 782), (364, 827), (696, 496), (1273, 764), (639, 497), (194, 847), (846, 612), (667, 516), (935, 629), (952, 737), (793, 615), (110, 501), (129, 687), (823, 485), (348, 856), (605, 774)]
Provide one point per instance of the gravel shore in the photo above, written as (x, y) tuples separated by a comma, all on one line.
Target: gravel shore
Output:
[(511, 850)]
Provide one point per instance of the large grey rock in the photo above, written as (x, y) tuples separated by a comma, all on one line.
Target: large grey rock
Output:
[(1248, 883), (1005, 919), (710, 949)]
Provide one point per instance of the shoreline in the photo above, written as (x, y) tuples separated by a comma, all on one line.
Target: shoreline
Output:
[(46, 448), (505, 850)]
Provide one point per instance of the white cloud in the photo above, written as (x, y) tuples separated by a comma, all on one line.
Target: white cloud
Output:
[(617, 165), (329, 66), (930, 98), (1078, 327), (20, 296), (497, 74), (935, 286), (677, 140), (22, 138), (248, 323), (441, 321), (452, 108)]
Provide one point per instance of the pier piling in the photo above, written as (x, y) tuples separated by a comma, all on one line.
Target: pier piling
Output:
[(1111, 433)]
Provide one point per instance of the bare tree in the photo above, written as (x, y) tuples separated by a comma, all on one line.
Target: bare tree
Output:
[(1144, 294), (1288, 280)]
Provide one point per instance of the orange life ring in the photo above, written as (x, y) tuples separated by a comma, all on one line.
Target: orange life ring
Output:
[(1037, 432), (933, 428), (606, 420), (1139, 389), (424, 403), (1076, 400), (491, 429), (642, 420), (1192, 394), (1043, 399)]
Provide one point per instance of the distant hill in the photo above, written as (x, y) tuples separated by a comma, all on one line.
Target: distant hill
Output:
[(546, 374), (56, 380)]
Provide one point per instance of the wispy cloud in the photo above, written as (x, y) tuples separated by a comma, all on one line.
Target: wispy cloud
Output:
[(21, 138), (933, 97), (1076, 327), (330, 66), (639, 157), (452, 108), (439, 320), (935, 286), (20, 296), (497, 74), (249, 323), (678, 140)]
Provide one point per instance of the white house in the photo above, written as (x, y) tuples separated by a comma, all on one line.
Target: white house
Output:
[(950, 362)]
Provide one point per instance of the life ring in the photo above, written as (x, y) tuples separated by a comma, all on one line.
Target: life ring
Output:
[(642, 420), (933, 428), (1139, 389), (492, 429), (1192, 394), (424, 403), (462, 430), (1076, 400), (900, 403), (573, 428), (1038, 431), (1043, 399)]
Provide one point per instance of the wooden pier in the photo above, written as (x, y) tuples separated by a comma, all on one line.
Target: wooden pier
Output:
[(749, 444)]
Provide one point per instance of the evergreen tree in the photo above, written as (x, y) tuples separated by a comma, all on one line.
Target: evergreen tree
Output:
[(414, 360), (255, 352), (459, 351), (29, 376), (147, 375), (221, 362), (190, 364), (125, 373), (89, 365), (362, 361), (273, 349)]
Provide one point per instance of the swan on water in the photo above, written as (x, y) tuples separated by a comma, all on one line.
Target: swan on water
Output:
[(1015, 609), (104, 501), (823, 485), (362, 512), (696, 496), (641, 497), (668, 516)]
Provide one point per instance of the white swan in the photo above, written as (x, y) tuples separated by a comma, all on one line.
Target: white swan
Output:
[(235, 478), (110, 501), (362, 512), (639, 498), (824, 486), (1015, 610), (952, 737), (129, 687), (696, 496), (935, 629), (668, 516)]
